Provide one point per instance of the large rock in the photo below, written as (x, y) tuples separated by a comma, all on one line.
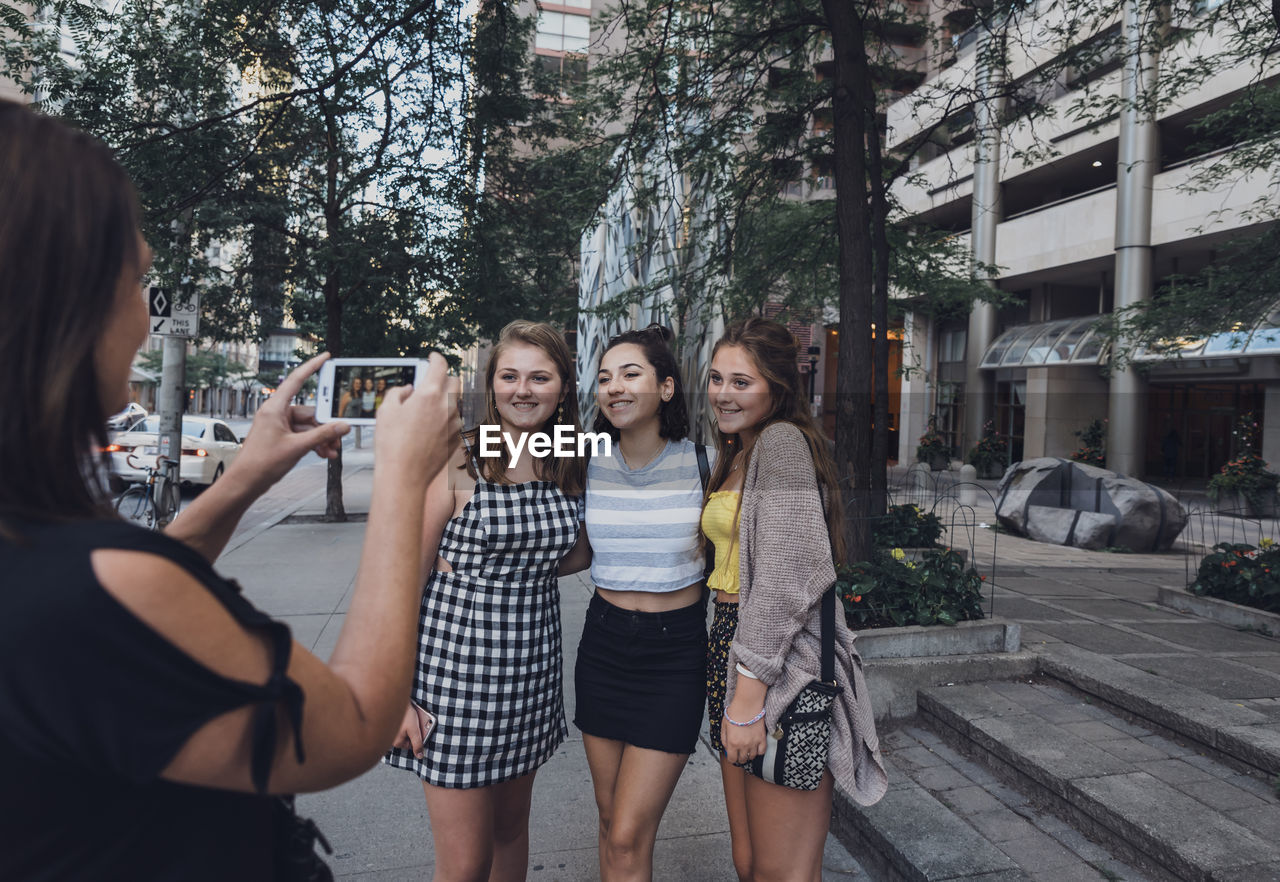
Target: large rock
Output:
[(1070, 503)]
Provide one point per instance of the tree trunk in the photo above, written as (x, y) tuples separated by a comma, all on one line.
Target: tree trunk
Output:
[(853, 412), (334, 510), (880, 292)]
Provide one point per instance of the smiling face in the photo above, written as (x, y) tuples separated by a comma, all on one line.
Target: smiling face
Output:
[(738, 392), (125, 332), (629, 393), (526, 388)]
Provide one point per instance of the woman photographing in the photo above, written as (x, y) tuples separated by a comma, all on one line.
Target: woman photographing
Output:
[(147, 710)]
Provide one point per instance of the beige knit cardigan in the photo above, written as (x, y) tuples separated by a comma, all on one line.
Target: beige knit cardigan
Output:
[(784, 568)]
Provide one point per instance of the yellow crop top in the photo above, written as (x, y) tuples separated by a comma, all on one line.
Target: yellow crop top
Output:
[(719, 524)]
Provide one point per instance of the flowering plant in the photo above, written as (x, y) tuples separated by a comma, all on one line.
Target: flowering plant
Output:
[(889, 590), (1093, 444), (1242, 574), (932, 444), (906, 526), (990, 451), (1247, 473)]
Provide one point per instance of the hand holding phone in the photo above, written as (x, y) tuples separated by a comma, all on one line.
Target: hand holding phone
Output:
[(353, 389), (415, 729)]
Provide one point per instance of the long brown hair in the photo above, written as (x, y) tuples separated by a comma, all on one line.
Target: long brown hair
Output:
[(568, 473), (774, 351), (68, 229)]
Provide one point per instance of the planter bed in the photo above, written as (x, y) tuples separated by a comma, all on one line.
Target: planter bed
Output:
[(1224, 611)]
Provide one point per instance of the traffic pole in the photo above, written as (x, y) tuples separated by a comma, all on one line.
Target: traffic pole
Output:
[(172, 401)]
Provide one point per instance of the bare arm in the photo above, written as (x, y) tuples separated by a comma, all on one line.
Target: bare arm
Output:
[(579, 556), (354, 703), (438, 508), (281, 435)]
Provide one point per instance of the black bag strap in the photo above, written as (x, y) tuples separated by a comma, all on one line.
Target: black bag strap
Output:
[(704, 473), (829, 635)]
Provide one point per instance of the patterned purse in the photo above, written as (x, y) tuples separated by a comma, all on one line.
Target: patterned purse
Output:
[(798, 747)]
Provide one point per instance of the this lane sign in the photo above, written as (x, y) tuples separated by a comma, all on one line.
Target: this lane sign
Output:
[(173, 318)]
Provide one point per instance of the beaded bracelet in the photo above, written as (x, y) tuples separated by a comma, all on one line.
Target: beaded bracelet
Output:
[(732, 722)]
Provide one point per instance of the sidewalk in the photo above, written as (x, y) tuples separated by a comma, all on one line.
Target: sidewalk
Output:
[(303, 573), (1088, 611)]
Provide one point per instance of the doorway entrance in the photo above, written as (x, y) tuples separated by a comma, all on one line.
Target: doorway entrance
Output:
[(1189, 426)]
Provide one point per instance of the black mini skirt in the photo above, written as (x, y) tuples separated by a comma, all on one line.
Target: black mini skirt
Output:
[(641, 677)]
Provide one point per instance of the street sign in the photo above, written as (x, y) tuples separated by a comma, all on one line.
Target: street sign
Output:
[(171, 317)]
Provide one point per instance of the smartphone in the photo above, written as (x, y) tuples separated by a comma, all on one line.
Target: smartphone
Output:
[(426, 721), (352, 389)]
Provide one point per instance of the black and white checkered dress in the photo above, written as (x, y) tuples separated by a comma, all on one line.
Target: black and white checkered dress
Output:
[(489, 656)]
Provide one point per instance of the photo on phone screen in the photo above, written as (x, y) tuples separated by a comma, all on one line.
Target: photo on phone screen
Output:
[(360, 389)]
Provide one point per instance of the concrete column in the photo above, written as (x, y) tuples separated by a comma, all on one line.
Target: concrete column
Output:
[(1139, 155), (915, 405), (988, 210), (1271, 427)]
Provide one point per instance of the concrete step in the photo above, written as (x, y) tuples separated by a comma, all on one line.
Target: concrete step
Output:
[(1240, 736), (947, 818), (1156, 802)]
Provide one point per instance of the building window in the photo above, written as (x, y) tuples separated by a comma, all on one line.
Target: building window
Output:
[(563, 32), (565, 69), (949, 415), (1011, 415), (951, 345)]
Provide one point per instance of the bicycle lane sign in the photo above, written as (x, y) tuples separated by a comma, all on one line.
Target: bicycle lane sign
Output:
[(173, 317)]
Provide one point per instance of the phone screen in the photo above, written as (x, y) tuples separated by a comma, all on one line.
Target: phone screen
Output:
[(359, 389)]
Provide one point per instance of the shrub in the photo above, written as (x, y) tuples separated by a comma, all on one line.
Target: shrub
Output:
[(932, 444), (990, 451), (891, 591), (1093, 444), (1247, 474), (1242, 574), (906, 526)]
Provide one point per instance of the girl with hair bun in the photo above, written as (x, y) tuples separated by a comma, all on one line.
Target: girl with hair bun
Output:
[(775, 519), (640, 673)]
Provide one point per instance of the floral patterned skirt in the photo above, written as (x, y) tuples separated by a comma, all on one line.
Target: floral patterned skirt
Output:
[(723, 625)]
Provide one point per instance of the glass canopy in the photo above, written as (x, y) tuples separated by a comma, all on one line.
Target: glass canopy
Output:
[(1065, 341), (1073, 341)]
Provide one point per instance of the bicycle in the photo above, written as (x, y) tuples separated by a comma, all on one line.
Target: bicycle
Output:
[(153, 503)]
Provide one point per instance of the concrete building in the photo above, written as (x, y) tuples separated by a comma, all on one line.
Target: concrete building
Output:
[(1076, 235)]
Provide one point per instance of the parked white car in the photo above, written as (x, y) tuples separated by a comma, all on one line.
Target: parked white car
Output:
[(127, 418), (208, 449)]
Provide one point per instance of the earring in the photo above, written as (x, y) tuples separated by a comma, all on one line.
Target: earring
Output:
[(560, 413)]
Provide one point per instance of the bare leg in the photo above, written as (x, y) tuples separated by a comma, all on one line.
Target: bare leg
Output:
[(735, 801), (642, 789), (604, 757), (481, 834), (788, 830), (462, 831), (511, 829)]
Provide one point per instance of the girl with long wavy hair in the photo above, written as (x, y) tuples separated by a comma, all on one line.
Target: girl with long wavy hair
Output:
[(775, 518)]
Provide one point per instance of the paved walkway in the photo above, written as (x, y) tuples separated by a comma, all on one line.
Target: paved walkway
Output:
[(302, 571)]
